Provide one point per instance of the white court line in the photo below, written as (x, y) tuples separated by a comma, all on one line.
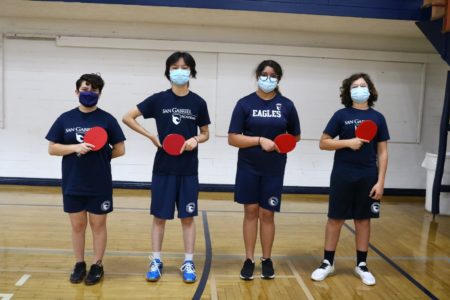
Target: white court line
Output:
[(6, 296), (23, 279), (213, 287), (300, 281)]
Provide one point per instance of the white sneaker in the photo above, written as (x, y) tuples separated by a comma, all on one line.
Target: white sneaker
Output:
[(323, 271), (366, 277)]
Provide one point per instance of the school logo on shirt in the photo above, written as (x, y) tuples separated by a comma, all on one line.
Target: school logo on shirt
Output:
[(79, 137), (190, 208), (178, 114), (278, 106), (176, 119), (273, 201), (106, 205), (375, 207)]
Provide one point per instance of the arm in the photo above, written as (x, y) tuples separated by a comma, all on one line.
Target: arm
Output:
[(328, 143), (63, 150), (118, 149), (130, 120), (378, 189), (244, 141), (192, 143)]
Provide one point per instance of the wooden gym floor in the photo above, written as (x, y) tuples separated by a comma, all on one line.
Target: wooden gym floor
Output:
[(409, 254)]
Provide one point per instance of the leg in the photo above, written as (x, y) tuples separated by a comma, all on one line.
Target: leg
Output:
[(158, 227), (362, 228), (79, 223), (332, 233), (267, 231), (99, 235), (188, 226), (250, 228)]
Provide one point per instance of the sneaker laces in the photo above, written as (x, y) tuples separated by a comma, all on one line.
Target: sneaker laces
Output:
[(363, 268), (154, 264), (188, 268), (324, 266)]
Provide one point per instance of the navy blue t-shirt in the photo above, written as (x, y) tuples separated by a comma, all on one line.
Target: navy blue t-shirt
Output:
[(343, 124), (254, 116), (175, 114), (88, 174)]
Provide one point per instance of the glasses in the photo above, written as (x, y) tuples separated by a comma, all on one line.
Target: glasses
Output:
[(271, 77)]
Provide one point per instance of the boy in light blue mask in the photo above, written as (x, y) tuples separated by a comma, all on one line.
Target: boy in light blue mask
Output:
[(175, 178), (357, 178)]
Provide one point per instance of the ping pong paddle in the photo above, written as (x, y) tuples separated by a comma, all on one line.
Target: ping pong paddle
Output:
[(285, 142), (366, 130), (96, 136), (173, 143)]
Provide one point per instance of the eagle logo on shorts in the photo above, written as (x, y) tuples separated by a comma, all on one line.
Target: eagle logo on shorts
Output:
[(106, 205), (176, 119), (375, 207), (190, 208), (273, 201)]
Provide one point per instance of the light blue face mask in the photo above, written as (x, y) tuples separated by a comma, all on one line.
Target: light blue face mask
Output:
[(360, 94), (267, 85), (179, 76)]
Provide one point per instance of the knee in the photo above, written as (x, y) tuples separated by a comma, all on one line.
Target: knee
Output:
[(97, 226), (187, 221), (251, 213), (159, 222), (336, 223), (266, 216), (362, 223), (79, 227)]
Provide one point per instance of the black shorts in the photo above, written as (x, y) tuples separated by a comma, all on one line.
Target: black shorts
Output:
[(349, 194), (98, 205)]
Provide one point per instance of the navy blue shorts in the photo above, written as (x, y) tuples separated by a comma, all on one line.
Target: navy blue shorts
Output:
[(169, 191), (98, 205), (264, 190), (349, 194)]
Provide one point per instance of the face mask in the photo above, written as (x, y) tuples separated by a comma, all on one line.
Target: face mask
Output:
[(179, 76), (88, 99), (360, 94), (267, 86)]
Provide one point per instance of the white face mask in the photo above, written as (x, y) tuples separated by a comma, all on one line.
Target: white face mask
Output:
[(267, 84), (360, 94), (179, 76)]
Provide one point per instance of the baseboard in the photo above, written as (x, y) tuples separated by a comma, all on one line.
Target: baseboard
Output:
[(204, 187)]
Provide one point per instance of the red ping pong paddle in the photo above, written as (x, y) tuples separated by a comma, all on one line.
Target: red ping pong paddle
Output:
[(173, 143), (285, 142), (366, 130), (96, 136)]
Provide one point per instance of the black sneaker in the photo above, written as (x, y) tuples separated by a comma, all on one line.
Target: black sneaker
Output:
[(247, 270), (95, 274), (267, 271), (78, 273)]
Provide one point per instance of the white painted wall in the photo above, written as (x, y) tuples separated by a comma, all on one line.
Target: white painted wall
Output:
[(39, 78)]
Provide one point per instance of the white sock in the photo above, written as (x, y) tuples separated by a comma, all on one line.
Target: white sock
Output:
[(189, 256), (157, 255)]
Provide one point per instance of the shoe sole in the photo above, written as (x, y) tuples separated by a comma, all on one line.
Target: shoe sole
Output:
[(152, 280), (330, 274), (76, 281), (268, 277), (245, 278), (189, 281)]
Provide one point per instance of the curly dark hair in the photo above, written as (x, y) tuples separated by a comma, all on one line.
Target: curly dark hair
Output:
[(346, 99), (93, 79)]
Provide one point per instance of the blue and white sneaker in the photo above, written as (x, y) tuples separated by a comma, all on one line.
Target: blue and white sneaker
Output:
[(154, 270), (188, 269)]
